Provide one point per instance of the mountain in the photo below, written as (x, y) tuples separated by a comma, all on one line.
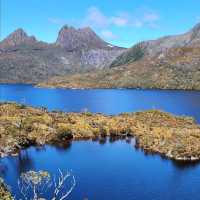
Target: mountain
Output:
[(158, 47), (74, 39), (17, 38), (25, 59), (171, 62)]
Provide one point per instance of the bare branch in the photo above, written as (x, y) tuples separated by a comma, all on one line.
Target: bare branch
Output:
[(70, 190)]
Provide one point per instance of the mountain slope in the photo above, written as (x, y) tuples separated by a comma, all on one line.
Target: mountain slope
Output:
[(161, 46), (24, 59), (172, 73)]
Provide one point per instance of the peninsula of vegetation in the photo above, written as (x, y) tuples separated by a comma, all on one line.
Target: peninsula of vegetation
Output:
[(177, 138)]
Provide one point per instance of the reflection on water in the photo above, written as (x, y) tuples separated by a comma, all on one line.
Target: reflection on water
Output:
[(108, 168), (65, 146), (185, 165)]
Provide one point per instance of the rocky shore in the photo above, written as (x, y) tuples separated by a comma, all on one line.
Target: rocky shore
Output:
[(177, 138)]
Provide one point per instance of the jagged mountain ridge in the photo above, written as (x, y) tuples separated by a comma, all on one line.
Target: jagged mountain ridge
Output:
[(24, 59), (74, 39), (16, 38)]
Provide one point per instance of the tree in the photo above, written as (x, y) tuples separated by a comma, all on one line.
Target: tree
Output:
[(33, 185)]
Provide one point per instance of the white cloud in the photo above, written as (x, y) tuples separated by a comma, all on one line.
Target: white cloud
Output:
[(151, 17), (145, 18), (107, 34), (119, 21), (95, 18)]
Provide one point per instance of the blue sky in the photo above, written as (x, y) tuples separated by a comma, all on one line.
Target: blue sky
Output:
[(121, 22)]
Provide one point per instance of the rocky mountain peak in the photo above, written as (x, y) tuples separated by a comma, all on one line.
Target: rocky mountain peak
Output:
[(79, 39), (19, 33), (18, 37), (66, 28)]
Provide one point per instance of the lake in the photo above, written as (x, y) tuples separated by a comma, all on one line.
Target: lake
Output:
[(112, 170), (109, 171), (107, 101)]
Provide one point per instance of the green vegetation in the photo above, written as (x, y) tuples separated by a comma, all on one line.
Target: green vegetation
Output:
[(132, 55)]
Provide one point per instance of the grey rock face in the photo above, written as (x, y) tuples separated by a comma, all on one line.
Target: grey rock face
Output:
[(99, 58)]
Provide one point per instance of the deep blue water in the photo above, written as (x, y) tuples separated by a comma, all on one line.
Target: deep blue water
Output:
[(108, 101), (109, 171), (114, 170)]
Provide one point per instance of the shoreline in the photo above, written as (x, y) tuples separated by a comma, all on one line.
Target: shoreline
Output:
[(176, 138), (52, 86), (35, 85)]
